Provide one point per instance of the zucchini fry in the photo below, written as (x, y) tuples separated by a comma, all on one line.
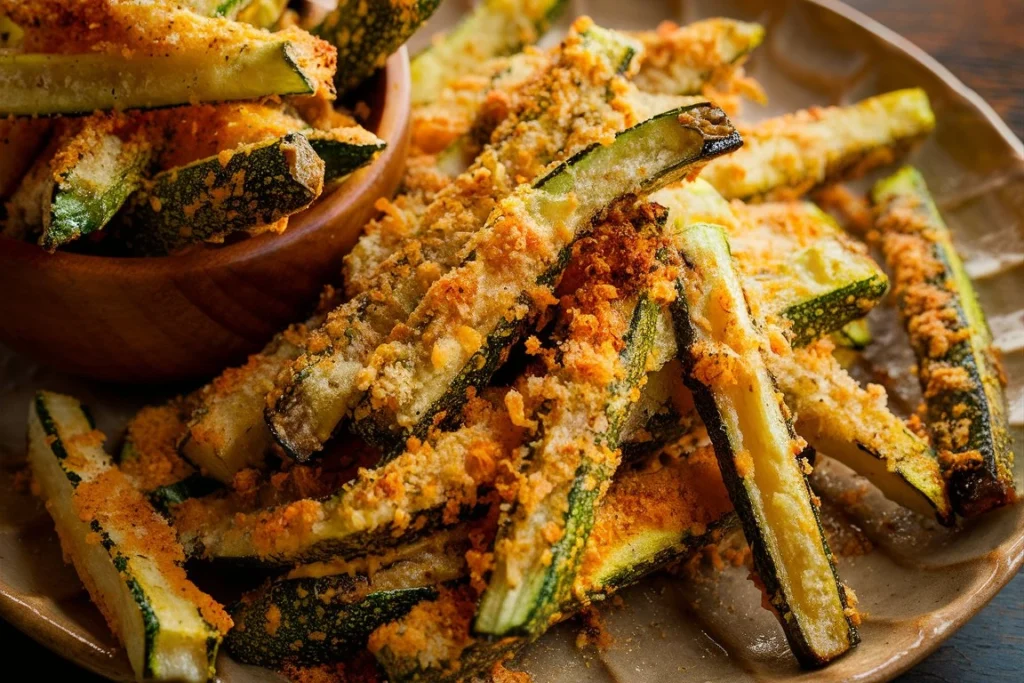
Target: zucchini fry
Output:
[(803, 263), (649, 519), (603, 361), (243, 67), (323, 386), (460, 333), (365, 34), (323, 616), (790, 155), (95, 170), (252, 186), (851, 424), (124, 552), (960, 372), (428, 486), (722, 352), (682, 60), (494, 28)]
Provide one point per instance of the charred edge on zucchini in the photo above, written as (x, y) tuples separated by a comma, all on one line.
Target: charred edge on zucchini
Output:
[(493, 29), (793, 154), (323, 386), (959, 368), (252, 186), (124, 552), (555, 212), (722, 352), (366, 34)]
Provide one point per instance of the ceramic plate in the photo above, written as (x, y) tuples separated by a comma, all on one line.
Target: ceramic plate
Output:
[(918, 585)]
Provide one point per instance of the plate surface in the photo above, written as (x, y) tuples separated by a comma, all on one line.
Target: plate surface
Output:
[(919, 584)]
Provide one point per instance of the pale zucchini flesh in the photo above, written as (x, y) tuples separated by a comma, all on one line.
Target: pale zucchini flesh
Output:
[(641, 159), (959, 369), (90, 193), (791, 155), (840, 419), (723, 359), (147, 601), (493, 29), (323, 387), (543, 571), (84, 83)]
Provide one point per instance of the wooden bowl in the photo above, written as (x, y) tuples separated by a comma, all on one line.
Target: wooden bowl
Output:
[(189, 316)]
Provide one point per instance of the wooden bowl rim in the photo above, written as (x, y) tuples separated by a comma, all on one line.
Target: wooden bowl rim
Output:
[(393, 121)]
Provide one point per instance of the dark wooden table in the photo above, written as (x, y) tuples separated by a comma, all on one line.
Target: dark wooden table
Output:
[(982, 42)]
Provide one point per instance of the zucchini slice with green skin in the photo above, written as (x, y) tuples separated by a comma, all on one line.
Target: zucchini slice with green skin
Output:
[(367, 33), (344, 150), (840, 419), (466, 347), (779, 244), (309, 617), (368, 515), (92, 191), (808, 272), (793, 154), (259, 13), (575, 449), (648, 520), (248, 187), (959, 368), (325, 384), (493, 29), (722, 352), (124, 552), (680, 60), (279, 65)]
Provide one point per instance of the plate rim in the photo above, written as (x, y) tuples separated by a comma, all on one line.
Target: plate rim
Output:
[(16, 608)]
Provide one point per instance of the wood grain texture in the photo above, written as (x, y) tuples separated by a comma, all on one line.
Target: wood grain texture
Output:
[(980, 41), (189, 316)]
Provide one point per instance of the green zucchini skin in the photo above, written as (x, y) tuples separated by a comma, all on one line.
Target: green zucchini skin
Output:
[(366, 34), (795, 153), (645, 547), (709, 278), (526, 608), (688, 141), (258, 185), (144, 591), (105, 82), (322, 387), (854, 335), (342, 157), (960, 375), (494, 28), (195, 485), (338, 608), (93, 191)]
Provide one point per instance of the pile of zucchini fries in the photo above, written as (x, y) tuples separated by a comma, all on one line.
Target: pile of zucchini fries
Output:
[(147, 127), (594, 333)]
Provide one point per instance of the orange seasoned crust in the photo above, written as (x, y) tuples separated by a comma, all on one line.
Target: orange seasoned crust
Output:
[(114, 502), (151, 459), (155, 28)]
